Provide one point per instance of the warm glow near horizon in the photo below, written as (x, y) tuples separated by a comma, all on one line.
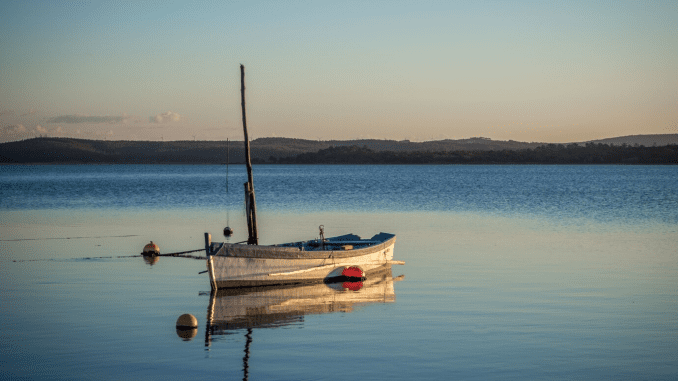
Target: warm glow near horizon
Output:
[(536, 72)]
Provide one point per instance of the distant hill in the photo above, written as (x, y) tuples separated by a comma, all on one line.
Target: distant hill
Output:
[(573, 153), (271, 150), (284, 147), (471, 144), (67, 150), (643, 140)]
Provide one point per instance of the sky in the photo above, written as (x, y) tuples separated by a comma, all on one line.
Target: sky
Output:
[(542, 71)]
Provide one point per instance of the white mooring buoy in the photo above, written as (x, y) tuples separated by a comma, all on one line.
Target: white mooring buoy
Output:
[(187, 321), (187, 327), (150, 249)]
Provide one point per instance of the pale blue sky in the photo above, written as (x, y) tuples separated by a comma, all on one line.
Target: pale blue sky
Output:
[(529, 71)]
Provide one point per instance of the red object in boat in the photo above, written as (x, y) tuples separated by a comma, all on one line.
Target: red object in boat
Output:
[(353, 286), (353, 272)]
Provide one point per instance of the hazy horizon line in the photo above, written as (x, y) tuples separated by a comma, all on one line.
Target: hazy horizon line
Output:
[(341, 140)]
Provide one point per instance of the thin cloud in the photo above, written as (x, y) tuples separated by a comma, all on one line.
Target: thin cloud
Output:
[(14, 129), (31, 111), (20, 131), (73, 119), (165, 117)]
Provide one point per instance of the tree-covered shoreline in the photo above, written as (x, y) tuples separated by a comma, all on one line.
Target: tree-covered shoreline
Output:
[(291, 151), (589, 153)]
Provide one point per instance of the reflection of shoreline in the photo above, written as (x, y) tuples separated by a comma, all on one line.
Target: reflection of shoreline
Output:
[(268, 307)]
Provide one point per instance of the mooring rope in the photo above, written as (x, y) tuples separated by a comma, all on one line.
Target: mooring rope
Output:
[(43, 239), (179, 254), (72, 259)]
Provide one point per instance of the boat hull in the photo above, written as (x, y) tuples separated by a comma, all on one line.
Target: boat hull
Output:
[(237, 265)]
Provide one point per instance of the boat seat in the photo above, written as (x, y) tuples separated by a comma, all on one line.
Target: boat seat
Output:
[(382, 237)]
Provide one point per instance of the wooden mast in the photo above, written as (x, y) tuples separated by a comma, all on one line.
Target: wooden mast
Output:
[(250, 203)]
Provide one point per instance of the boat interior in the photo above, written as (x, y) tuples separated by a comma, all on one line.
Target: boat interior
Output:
[(343, 242)]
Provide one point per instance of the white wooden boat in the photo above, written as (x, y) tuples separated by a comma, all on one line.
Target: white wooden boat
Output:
[(320, 260)]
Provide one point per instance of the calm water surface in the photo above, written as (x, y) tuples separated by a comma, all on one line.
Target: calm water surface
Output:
[(513, 272)]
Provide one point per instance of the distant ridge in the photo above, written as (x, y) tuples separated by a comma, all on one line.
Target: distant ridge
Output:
[(264, 150), (643, 140)]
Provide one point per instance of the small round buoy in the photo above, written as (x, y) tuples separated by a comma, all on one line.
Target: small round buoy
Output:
[(228, 231), (187, 321), (187, 327), (353, 272), (151, 249)]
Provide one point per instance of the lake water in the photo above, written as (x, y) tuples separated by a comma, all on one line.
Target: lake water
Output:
[(512, 272)]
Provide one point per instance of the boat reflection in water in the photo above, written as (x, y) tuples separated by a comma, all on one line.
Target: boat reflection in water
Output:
[(275, 306)]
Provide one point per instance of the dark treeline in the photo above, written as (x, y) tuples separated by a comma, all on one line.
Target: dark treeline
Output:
[(296, 151), (589, 153)]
